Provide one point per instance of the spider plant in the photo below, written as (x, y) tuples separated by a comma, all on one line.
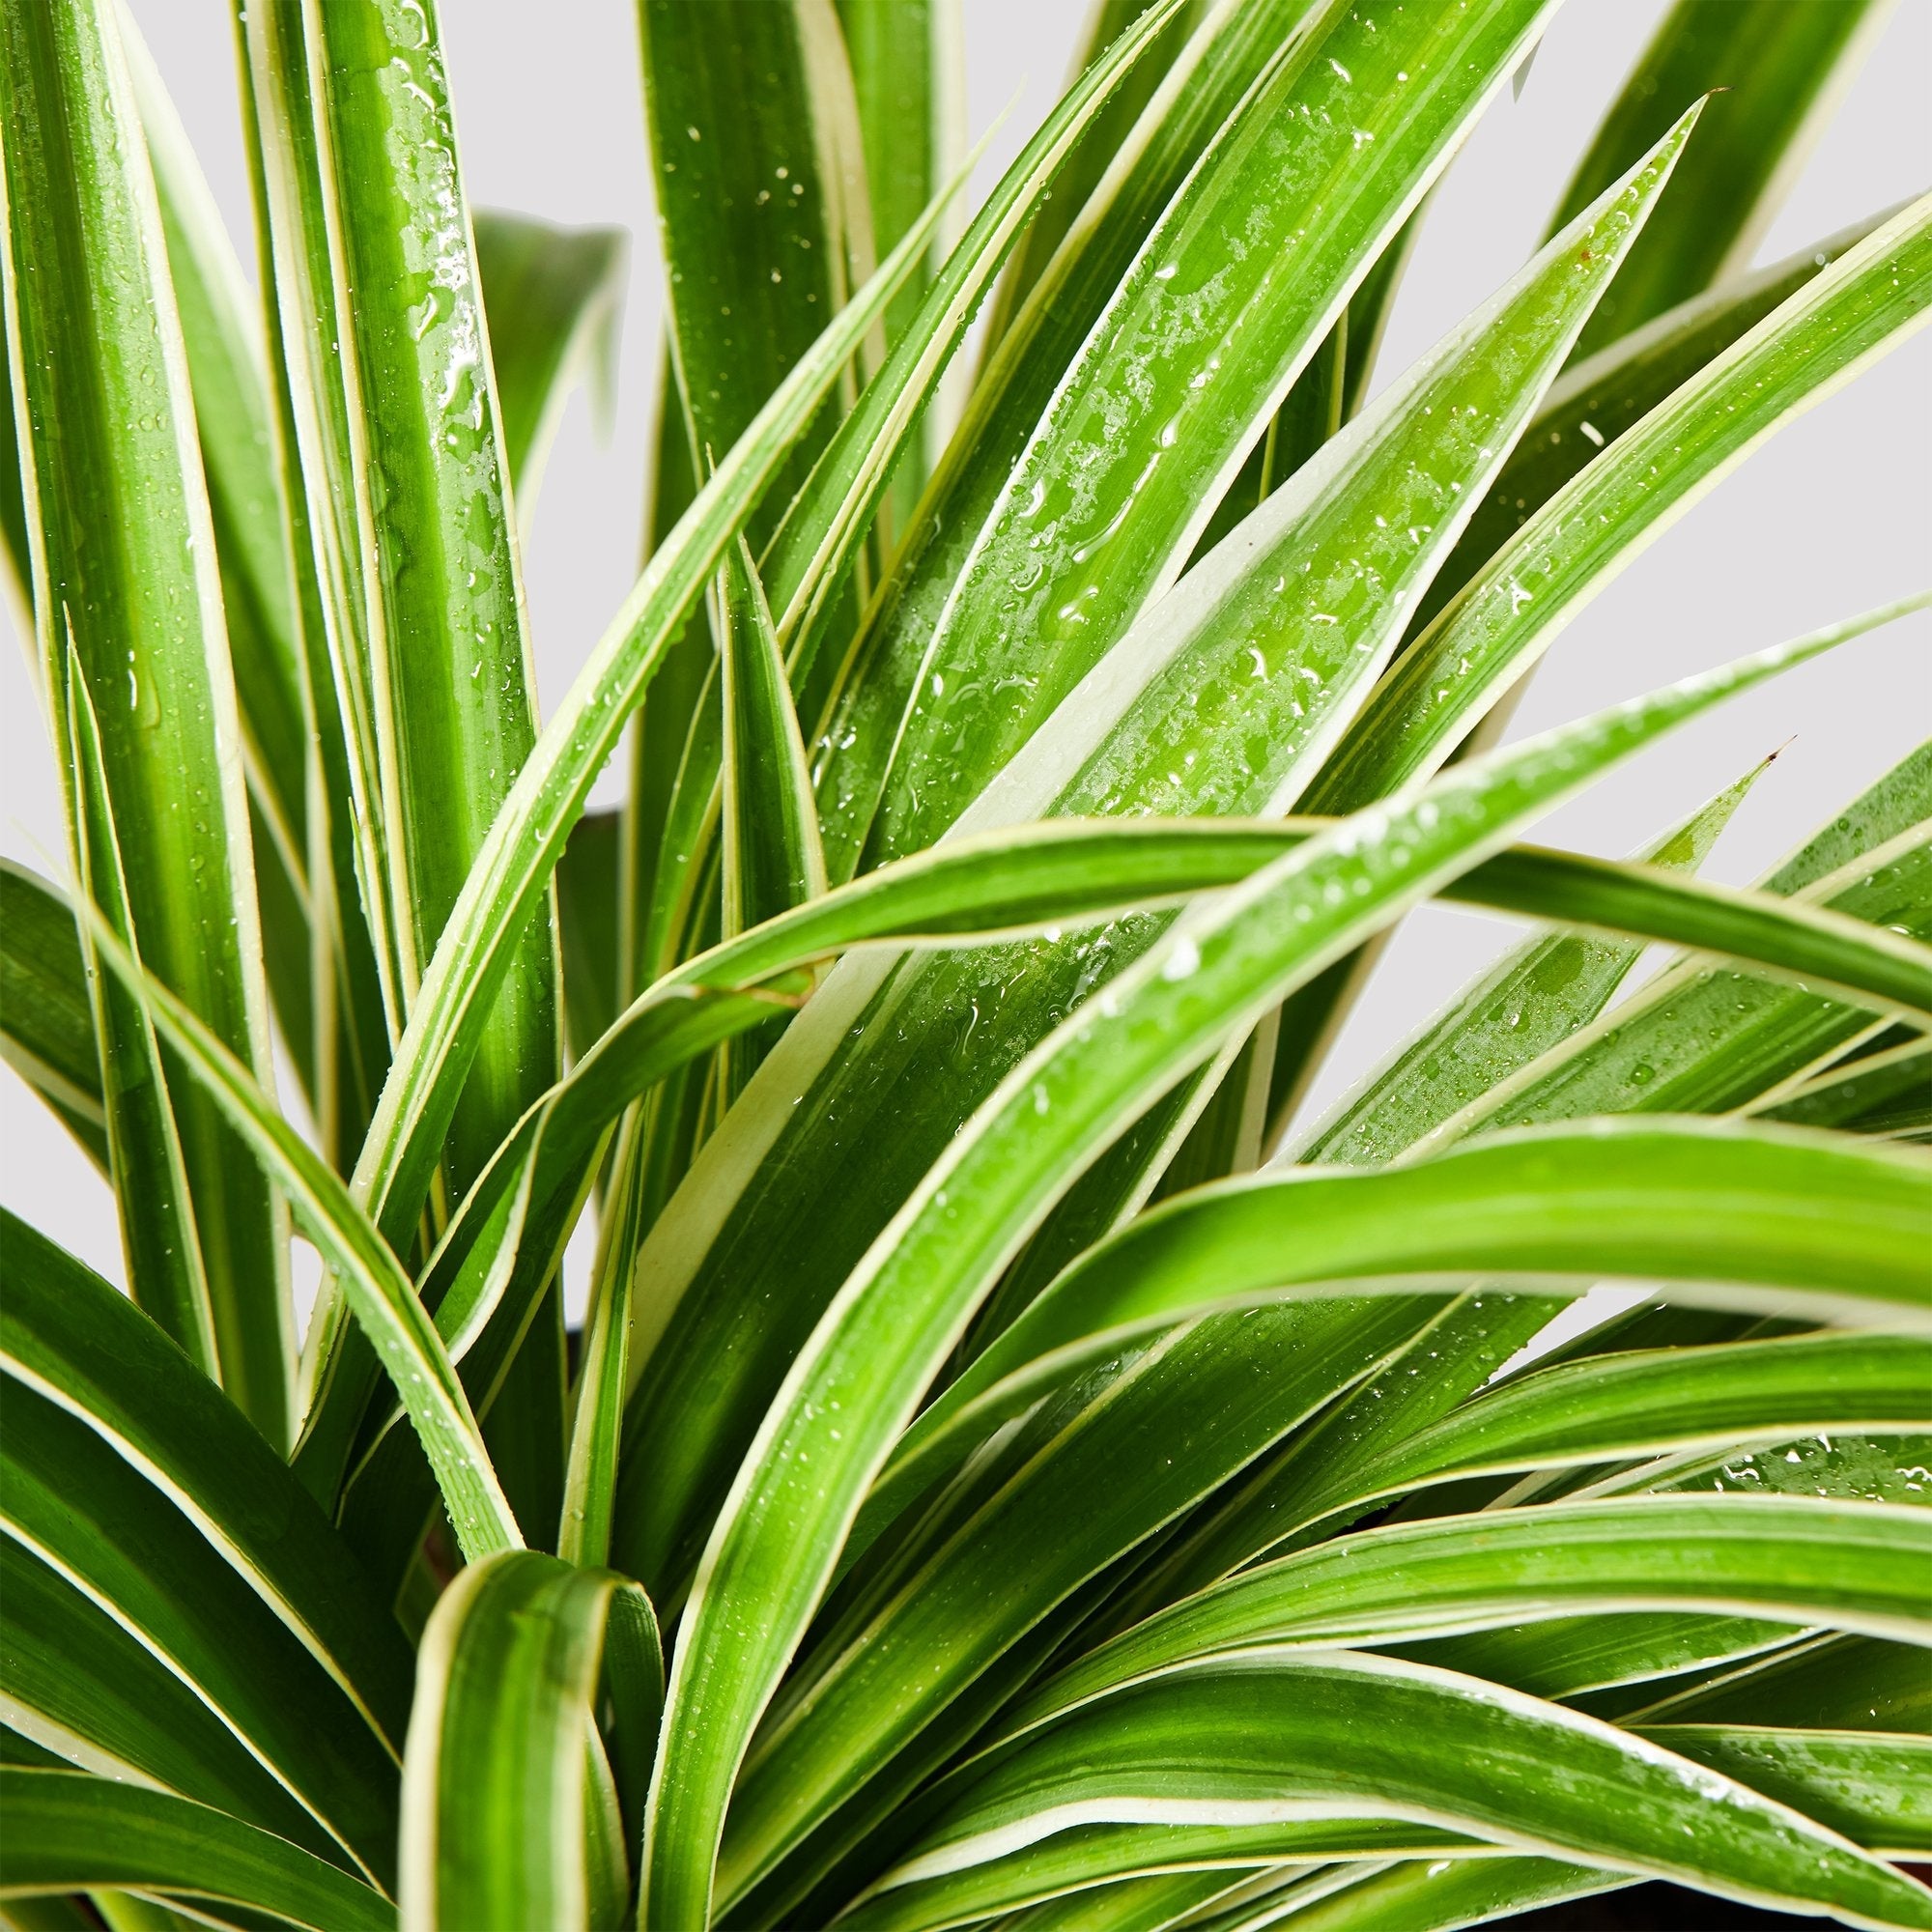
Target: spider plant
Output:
[(1014, 1464)]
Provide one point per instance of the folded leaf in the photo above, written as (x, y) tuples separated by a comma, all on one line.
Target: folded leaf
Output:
[(506, 1683)]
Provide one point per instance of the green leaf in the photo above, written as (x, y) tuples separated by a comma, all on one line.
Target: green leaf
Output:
[(1290, 1733), (1444, 1896), (1655, 1053), (1792, 1559), (381, 1296), (107, 434), (221, 334), (69, 1499), (1721, 1205), (1863, 304), (160, 1236), (1881, 1092), (46, 1022), (553, 297), (761, 186), (1103, 508), (398, 1157), (1071, 1860), (1534, 997), (909, 81), (855, 1386), (513, 869), (397, 426), (874, 1681), (914, 1648), (1600, 397), (1877, 1791), (596, 1434), (494, 1788), (1174, 720), (508, 1235), (1649, 1400), (68, 1336), (808, 559), (1836, 1683), (1621, 1652), (1778, 71), (68, 1830), (1236, 47), (1725, 1034), (89, 1694), (588, 925), (771, 858), (1119, 126)]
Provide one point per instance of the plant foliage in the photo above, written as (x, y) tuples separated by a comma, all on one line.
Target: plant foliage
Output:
[(1013, 1466)]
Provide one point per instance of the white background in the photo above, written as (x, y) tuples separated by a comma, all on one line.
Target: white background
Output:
[(1833, 517)]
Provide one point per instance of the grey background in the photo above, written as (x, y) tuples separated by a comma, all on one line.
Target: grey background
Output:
[(1832, 517)]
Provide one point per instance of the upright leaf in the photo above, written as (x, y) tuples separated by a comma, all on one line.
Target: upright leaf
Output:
[(107, 443), (772, 859), (402, 458), (1222, 700), (1236, 47), (1198, 347), (908, 75), (551, 295), (1778, 68), (761, 202), (1100, 148)]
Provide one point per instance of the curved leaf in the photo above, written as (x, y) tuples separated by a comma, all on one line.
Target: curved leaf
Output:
[(1877, 1791), (1072, 1861), (382, 1297), (1693, 1201), (1446, 1894), (91, 1694), (1793, 1559), (1600, 397), (1289, 1734), (67, 1832), (855, 1386), (494, 1788), (1176, 719), (91, 1519), (875, 1678)]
